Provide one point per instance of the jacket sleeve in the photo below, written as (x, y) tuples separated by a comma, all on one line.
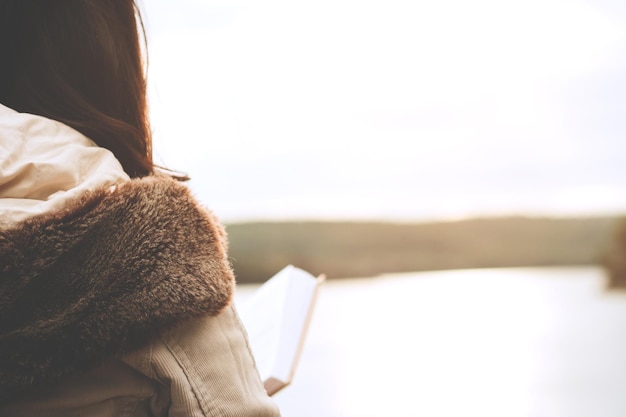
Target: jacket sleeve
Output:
[(209, 368)]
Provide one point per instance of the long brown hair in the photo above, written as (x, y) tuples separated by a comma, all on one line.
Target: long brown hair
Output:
[(80, 62)]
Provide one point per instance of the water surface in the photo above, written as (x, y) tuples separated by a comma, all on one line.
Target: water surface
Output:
[(527, 342)]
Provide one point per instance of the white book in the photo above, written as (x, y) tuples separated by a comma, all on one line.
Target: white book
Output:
[(276, 317)]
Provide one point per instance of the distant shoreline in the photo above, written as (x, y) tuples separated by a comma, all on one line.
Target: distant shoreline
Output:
[(345, 249)]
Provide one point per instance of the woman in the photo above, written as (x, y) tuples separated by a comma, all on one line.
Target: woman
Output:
[(115, 286)]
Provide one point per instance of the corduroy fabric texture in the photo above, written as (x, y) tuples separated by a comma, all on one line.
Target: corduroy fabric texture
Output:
[(200, 368)]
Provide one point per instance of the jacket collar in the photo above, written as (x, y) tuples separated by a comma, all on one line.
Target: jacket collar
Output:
[(102, 276)]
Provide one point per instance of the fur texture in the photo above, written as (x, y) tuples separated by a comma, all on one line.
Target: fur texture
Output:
[(103, 276)]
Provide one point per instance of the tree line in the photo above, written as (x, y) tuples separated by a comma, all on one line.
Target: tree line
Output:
[(363, 249)]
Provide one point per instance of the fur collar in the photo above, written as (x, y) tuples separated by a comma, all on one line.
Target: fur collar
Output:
[(103, 275)]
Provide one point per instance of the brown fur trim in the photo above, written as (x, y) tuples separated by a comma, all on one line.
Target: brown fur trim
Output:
[(102, 276)]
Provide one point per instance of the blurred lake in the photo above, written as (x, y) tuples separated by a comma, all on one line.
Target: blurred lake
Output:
[(527, 342)]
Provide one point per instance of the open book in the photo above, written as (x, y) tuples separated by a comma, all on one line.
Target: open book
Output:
[(276, 317)]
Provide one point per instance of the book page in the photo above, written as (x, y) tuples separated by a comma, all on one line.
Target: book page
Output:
[(276, 317)]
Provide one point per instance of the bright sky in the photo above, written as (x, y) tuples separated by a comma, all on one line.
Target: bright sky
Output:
[(392, 109)]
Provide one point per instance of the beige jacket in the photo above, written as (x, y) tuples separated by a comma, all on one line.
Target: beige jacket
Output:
[(115, 294)]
